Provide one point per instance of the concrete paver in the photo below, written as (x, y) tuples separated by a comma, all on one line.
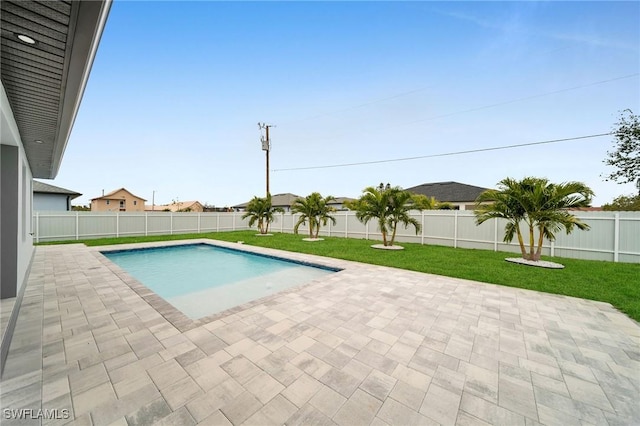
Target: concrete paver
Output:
[(368, 345)]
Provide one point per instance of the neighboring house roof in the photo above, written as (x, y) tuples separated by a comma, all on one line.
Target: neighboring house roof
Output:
[(341, 200), (45, 80), (287, 199), (110, 195), (449, 191), (45, 188), (174, 207), (277, 200), (588, 209)]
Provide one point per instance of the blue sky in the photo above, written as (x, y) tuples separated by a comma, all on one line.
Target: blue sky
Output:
[(177, 89)]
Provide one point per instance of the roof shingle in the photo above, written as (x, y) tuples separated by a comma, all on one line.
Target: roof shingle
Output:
[(449, 191)]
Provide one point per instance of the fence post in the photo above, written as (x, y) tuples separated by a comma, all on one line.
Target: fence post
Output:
[(146, 224), (346, 225), (329, 228), (552, 248), (37, 227), (118, 225), (77, 237), (171, 223), (455, 229), (198, 222), (282, 222), (616, 237), (495, 234), (422, 225)]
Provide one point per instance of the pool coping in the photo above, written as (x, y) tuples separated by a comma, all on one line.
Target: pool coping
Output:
[(176, 317)]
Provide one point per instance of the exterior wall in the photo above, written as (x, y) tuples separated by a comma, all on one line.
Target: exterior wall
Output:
[(50, 202), (16, 206), (25, 223), (16, 215), (112, 204)]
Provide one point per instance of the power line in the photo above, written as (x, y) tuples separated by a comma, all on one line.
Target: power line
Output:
[(375, 101), (526, 98), (482, 107), (495, 148)]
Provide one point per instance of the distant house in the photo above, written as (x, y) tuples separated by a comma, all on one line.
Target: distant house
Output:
[(278, 200), (460, 195), (285, 200), (338, 203), (52, 198), (180, 206), (119, 200)]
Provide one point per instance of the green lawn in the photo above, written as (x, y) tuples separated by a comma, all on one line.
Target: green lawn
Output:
[(616, 283)]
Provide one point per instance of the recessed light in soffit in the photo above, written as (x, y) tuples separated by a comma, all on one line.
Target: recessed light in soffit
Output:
[(25, 39)]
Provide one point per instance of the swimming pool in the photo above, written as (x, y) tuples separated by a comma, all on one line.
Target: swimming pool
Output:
[(203, 279)]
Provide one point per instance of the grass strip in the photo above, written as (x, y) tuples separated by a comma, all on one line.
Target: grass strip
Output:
[(615, 283)]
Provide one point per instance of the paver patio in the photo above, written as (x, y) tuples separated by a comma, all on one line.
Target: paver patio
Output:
[(368, 345)]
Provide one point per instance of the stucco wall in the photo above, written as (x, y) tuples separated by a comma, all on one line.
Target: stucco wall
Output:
[(25, 223), (16, 204)]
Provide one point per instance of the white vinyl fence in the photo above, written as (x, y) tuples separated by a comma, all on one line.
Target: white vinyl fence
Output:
[(57, 226), (614, 236)]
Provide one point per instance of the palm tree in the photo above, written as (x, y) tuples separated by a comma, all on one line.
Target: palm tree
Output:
[(425, 203), (260, 210), (550, 214), (504, 203), (313, 208), (389, 206), (539, 204)]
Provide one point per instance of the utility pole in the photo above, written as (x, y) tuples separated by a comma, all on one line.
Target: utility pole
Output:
[(266, 146)]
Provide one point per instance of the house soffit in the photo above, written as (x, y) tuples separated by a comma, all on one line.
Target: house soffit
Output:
[(44, 81)]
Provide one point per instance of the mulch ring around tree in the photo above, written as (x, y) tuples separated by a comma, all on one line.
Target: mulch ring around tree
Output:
[(538, 263), (383, 247)]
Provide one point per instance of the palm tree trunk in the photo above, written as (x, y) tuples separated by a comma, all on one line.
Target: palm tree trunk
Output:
[(521, 241), (531, 245), (383, 230), (393, 236), (540, 241)]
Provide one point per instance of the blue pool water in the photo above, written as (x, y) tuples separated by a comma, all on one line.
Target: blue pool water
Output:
[(202, 279)]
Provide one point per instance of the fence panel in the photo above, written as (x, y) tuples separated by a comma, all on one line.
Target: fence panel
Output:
[(186, 223), (408, 234), (470, 235), (629, 237), (98, 226), (131, 225), (614, 236), (439, 228), (55, 227), (159, 224), (596, 244), (356, 229)]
